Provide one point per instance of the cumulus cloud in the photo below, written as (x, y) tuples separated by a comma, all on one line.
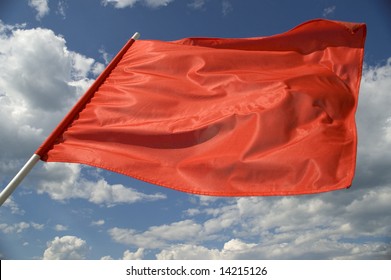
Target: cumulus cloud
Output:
[(130, 3), (188, 252), (50, 79), (329, 226), (62, 181), (20, 227), (15, 228), (319, 250), (374, 126), (66, 248), (310, 227), (226, 5), (138, 255), (98, 223), (231, 250), (40, 79), (59, 227), (157, 236), (41, 7)]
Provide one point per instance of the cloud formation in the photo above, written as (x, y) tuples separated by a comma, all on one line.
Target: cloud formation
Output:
[(62, 181), (226, 5), (329, 226), (130, 3), (66, 248), (50, 79), (41, 7), (61, 8), (19, 227), (158, 236)]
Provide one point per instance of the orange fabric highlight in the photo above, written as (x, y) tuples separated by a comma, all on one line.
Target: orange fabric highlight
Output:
[(227, 117)]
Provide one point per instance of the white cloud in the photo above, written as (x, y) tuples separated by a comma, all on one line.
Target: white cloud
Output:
[(138, 255), (225, 217), (328, 226), (188, 252), (119, 4), (105, 55), (306, 227), (226, 5), (20, 227), (38, 226), (231, 250), (61, 8), (328, 11), (47, 75), (98, 223), (128, 255), (237, 245), (7, 28), (50, 80), (59, 227), (66, 248), (158, 236), (320, 249), (15, 228), (157, 3), (106, 258), (11, 204), (41, 6), (63, 181), (373, 115), (81, 65)]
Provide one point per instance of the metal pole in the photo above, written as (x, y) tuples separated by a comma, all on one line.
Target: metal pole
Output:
[(136, 36), (18, 178)]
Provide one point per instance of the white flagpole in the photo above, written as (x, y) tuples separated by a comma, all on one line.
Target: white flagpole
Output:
[(18, 178), (136, 36)]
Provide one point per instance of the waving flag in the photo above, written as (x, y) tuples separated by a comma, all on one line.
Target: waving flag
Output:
[(226, 117)]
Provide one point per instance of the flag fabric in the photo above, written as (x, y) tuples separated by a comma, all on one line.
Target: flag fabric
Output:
[(226, 117)]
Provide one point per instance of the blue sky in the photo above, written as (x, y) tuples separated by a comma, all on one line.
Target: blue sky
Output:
[(51, 51)]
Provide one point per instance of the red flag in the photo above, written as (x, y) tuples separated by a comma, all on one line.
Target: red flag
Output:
[(227, 117)]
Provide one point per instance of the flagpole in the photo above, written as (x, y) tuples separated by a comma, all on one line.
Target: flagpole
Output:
[(43, 149), (8, 190)]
